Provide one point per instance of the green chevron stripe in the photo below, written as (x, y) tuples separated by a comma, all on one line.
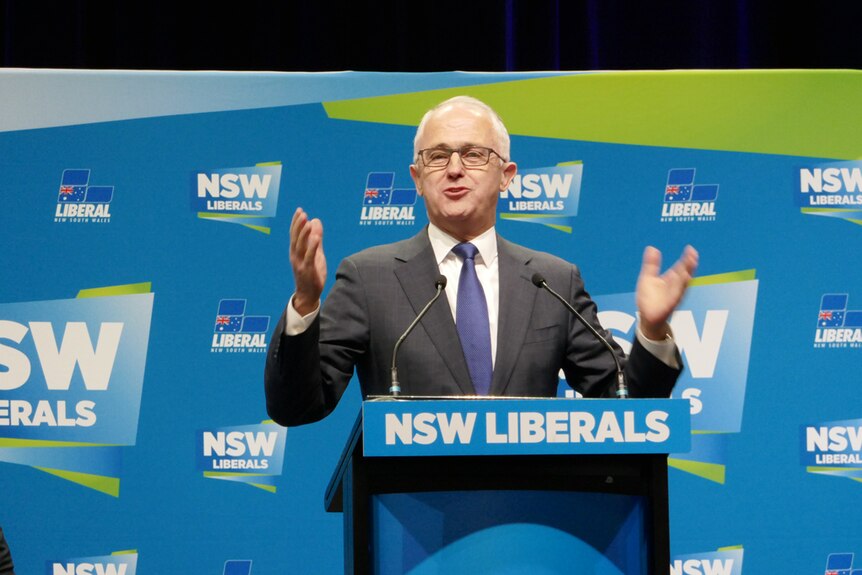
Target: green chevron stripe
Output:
[(725, 278), (10, 442), (127, 289), (792, 112), (711, 471), (108, 485)]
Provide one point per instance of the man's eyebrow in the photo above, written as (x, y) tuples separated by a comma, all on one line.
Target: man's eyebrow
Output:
[(450, 147)]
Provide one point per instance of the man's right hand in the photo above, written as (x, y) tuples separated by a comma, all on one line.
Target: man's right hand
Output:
[(307, 260)]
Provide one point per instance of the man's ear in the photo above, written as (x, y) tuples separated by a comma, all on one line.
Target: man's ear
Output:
[(414, 174), (508, 172)]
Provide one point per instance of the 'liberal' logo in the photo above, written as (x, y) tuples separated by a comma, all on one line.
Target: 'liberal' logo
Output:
[(79, 202), (685, 201), (840, 564), (385, 205), (234, 331), (837, 327)]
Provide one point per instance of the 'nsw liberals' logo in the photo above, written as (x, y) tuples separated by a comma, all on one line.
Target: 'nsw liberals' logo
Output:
[(251, 454), (246, 196), (547, 196), (837, 327), (833, 448), (235, 331), (385, 205), (80, 202), (685, 201), (832, 189), (117, 563), (71, 376), (724, 561)]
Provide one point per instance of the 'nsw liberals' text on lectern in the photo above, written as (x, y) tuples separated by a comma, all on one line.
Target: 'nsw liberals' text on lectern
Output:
[(502, 485)]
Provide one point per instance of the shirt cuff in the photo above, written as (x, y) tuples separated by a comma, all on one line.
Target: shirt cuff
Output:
[(295, 324), (664, 350)]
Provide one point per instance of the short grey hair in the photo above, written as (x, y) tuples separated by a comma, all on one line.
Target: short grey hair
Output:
[(501, 135)]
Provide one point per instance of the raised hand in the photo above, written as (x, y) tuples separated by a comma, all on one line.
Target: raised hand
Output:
[(658, 295), (307, 261)]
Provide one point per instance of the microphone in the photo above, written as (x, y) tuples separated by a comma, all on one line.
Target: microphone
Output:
[(622, 389), (440, 285)]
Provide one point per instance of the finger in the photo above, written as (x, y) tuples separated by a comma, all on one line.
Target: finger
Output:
[(691, 259), (294, 221), (302, 238), (651, 262), (299, 219), (314, 242)]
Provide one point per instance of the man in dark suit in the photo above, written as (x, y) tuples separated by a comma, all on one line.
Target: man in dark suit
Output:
[(519, 340)]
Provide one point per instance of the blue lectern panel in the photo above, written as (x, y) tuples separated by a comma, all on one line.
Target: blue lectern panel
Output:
[(508, 532)]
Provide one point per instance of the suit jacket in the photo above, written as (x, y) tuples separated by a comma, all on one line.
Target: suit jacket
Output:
[(379, 291)]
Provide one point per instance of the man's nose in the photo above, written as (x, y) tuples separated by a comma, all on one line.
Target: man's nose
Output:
[(455, 167)]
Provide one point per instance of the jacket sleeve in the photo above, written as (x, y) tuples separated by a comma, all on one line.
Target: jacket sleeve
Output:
[(306, 374), (589, 367)]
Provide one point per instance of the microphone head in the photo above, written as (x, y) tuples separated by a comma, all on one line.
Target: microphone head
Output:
[(538, 279), (441, 282)]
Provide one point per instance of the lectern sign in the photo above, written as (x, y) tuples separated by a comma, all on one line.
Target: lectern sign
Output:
[(525, 426)]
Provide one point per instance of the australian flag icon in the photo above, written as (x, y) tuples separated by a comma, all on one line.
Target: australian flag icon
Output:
[(231, 318), (380, 190), (680, 182), (840, 564), (680, 187), (74, 187), (834, 312)]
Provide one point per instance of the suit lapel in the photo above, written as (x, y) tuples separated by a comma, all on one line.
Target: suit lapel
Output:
[(417, 273), (517, 296)]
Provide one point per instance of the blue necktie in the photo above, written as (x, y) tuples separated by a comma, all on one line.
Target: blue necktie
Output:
[(472, 321)]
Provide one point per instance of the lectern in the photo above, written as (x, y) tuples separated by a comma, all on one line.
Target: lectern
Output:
[(503, 485)]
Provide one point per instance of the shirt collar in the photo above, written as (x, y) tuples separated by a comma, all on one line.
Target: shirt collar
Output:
[(442, 244)]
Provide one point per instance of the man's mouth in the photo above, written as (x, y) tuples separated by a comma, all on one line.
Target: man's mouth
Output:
[(455, 192)]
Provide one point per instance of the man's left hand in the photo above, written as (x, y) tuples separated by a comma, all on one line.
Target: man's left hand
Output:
[(658, 295)]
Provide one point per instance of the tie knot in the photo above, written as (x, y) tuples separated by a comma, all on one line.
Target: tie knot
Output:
[(465, 251)]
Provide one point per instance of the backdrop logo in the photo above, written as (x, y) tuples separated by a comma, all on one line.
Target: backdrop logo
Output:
[(236, 332), (840, 564), (724, 561), (833, 448), (385, 205), (237, 567), (547, 196), (837, 327), (251, 454), (832, 189), (712, 329), (685, 201), (245, 196), (71, 374), (79, 202), (117, 563)]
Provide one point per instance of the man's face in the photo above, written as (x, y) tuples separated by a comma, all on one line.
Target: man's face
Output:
[(461, 201)]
